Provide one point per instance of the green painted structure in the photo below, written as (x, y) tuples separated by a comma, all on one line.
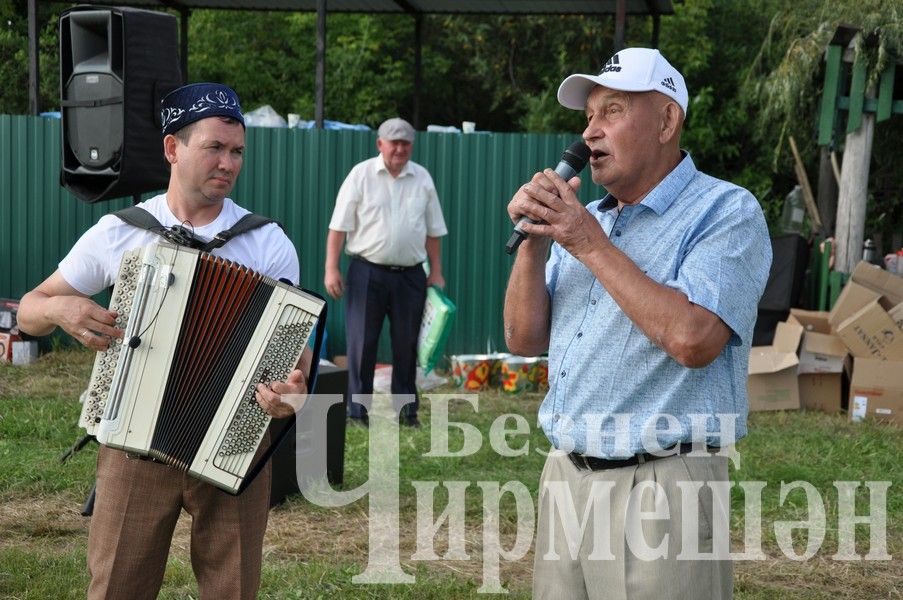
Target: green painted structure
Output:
[(293, 175), (844, 91)]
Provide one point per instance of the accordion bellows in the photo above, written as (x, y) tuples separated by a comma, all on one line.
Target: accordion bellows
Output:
[(200, 333)]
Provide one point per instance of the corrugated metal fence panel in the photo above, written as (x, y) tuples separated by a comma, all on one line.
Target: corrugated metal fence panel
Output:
[(476, 175), (39, 220), (293, 176)]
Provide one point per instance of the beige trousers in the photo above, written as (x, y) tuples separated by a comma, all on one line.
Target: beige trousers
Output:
[(137, 507), (618, 534)]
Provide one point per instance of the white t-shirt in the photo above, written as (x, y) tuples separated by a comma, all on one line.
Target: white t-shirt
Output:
[(388, 218), (93, 262)]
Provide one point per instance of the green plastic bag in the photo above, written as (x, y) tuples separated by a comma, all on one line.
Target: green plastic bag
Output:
[(438, 314)]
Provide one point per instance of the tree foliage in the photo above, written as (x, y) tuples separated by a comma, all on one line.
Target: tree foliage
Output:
[(14, 55), (783, 86), (753, 67)]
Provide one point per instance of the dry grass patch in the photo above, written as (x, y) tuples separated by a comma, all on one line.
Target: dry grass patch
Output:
[(60, 374)]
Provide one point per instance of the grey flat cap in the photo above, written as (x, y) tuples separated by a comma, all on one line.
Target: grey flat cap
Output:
[(396, 129)]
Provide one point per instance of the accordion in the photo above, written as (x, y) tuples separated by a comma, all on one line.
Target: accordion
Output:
[(200, 333)]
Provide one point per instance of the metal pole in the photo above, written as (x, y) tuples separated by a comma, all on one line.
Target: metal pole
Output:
[(620, 18), (418, 66), (34, 72), (183, 42), (320, 84), (656, 28)]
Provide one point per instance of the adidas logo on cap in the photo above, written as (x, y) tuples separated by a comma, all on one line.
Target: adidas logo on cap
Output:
[(611, 65), (668, 82)]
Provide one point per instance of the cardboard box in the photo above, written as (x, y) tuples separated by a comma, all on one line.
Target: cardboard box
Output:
[(851, 299), (812, 320), (821, 362), (6, 346), (877, 390), (821, 351), (772, 381), (896, 313), (889, 285), (820, 391), (870, 332), (867, 282)]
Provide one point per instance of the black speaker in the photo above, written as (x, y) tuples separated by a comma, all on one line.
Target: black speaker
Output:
[(115, 65), (790, 257), (330, 380)]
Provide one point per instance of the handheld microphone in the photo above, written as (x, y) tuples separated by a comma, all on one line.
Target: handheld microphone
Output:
[(572, 162)]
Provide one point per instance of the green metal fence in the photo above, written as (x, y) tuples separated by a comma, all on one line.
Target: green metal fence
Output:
[(293, 175)]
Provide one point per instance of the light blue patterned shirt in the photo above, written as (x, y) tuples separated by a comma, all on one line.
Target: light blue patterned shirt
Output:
[(609, 384)]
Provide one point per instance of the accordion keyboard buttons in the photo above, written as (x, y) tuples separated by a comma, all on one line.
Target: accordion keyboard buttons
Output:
[(277, 361)]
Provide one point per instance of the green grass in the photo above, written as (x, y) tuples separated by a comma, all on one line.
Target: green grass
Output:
[(314, 552)]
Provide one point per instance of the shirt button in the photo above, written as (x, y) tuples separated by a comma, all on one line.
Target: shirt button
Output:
[(563, 373), (557, 417), (579, 334), (617, 232), (593, 301)]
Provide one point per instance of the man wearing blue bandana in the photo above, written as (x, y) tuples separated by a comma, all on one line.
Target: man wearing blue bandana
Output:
[(138, 501), (646, 307)]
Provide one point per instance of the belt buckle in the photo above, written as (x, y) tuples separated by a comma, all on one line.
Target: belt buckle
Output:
[(395, 268)]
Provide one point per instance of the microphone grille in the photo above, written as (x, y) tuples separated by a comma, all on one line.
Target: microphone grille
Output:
[(577, 155)]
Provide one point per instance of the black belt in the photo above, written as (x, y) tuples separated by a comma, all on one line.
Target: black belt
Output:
[(593, 463), (392, 268)]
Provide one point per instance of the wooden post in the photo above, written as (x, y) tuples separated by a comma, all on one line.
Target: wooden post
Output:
[(827, 189), (803, 180), (851, 201)]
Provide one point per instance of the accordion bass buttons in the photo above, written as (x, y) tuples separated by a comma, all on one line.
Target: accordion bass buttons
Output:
[(105, 362)]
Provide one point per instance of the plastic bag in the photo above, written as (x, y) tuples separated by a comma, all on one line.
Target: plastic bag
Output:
[(264, 116), (438, 315)]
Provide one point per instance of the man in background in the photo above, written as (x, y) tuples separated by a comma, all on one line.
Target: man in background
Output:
[(387, 215)]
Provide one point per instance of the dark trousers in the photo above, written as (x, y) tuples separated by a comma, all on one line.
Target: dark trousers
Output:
[(372, 293)]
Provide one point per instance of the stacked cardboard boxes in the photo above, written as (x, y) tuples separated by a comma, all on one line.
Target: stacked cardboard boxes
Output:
[(822, 356), (868, 317), (861, 338)]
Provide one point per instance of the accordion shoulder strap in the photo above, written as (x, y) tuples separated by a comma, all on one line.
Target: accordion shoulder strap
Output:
[(138, 217), (243, 225)]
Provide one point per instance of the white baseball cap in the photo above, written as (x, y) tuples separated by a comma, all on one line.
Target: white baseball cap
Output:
[(630, 70)]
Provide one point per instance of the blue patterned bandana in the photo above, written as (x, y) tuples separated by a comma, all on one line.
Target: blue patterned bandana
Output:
[(189, 103)]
